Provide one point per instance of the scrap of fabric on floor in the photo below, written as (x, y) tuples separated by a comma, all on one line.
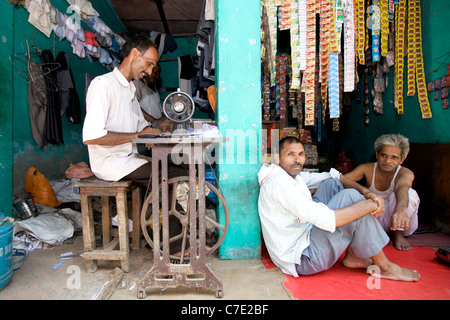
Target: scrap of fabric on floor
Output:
[(341, 283)]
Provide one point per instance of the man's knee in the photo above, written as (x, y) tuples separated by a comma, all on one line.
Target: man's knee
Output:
[(332, 184), (414, 199), (351, 196), (345, 198), (327, 190)]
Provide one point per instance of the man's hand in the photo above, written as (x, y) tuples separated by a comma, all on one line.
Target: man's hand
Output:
[(380, 202), (150, 130), (400, 220)]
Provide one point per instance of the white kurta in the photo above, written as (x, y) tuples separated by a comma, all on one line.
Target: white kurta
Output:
[(111, 106), (287, 213)]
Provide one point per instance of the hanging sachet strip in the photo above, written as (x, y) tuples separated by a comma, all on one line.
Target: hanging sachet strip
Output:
[(308, 84), (295, 46), (360, 31), (324, 48), (271, 11), (333, 82), (400, 19), (376, 30), (333, 93), (339, 16), (284, 12), (302, 26), (420, 71), (334, 41), (384, 25), (349, 46), (412, 45)]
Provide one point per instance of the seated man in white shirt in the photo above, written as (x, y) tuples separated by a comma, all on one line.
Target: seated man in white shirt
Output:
[(304, 237), (114, 117)]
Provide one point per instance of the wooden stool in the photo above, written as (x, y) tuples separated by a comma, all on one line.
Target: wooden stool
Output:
[(105, 189)]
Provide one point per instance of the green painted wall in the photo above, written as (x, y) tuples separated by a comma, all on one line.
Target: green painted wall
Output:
[(238, 71), (21, 151), (436, 49), (6, 107)]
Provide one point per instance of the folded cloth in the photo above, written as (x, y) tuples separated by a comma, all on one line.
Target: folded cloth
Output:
[(78, 47), (75, 28), (117, 43), (82, 7), (39, 18), (90, 38), (59, 27), (79, 170), (105, 57)]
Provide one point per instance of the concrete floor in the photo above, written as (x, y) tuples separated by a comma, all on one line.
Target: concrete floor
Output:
[(42, 278)]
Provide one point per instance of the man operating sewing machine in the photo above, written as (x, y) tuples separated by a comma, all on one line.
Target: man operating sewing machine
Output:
[(114, 117)]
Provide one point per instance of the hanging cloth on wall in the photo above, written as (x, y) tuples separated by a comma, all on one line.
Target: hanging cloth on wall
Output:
[(37, 100), (42, 15), (67, 93), (53, 125)]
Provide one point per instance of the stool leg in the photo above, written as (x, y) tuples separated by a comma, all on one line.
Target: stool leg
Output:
[(122, 219), (87, 214), (136, 208), (106, 220)]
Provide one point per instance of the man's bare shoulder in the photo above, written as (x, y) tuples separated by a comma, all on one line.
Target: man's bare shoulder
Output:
[(367, 168), (405, 172)]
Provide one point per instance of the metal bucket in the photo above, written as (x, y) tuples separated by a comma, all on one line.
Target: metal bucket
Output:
[(6, 248), (26, 208)]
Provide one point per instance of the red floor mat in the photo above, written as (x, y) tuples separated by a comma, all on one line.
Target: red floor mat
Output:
[(341, 283), (429, 239)]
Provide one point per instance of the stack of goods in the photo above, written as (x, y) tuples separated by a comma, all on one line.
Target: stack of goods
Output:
[(376, 35)]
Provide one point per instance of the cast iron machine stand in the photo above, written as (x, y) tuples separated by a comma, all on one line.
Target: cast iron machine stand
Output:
[(192, 271)]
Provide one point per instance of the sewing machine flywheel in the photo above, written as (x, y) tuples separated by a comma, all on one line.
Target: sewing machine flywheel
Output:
[(179, 220)]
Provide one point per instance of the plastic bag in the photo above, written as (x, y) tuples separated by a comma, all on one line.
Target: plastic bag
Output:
[(211, 92), (40, 189)]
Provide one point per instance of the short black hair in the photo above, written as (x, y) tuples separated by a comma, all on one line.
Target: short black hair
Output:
[(288, 140), (140, 42)]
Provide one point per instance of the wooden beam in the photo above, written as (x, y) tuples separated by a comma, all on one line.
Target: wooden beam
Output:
[(163, 16)]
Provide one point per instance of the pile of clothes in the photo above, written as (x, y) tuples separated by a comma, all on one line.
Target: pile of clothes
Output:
[(46, 18)]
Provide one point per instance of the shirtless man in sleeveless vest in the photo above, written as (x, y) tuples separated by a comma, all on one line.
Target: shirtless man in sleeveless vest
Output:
[(392, 182)]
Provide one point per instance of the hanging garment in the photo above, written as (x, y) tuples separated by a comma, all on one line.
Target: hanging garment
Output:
[(149, 99), (53, 125), (67, 93), (37, 101), (206, 40)]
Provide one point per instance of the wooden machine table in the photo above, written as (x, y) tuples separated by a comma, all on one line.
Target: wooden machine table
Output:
[(193, 272)]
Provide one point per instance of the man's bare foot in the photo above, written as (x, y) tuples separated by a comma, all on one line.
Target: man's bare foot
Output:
[(393, 271), (352, 261), (400, 242)]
